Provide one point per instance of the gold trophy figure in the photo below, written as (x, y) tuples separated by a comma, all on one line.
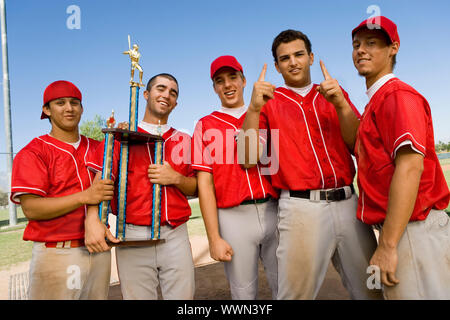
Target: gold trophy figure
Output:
[(134, 56)]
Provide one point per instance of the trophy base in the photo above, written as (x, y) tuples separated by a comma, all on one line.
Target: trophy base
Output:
[(135, 242), (132, 136)]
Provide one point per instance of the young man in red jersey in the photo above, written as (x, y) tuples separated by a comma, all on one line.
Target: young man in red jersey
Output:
[(168, 263), (403, 189), (317, 206), (52, 183), (238, 205)]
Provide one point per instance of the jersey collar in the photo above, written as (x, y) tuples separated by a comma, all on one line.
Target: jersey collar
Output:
[(295, 95), (378, 84), (170, 132), (64, 145)]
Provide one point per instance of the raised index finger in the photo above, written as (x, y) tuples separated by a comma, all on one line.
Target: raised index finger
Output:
[(326, 75), (262, 76)]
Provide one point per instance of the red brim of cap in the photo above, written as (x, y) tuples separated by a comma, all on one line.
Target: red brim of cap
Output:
[(225, 66), (385, 25)]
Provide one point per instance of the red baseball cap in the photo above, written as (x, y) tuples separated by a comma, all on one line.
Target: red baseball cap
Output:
[(60, 89), (380, 22), (225, 61)]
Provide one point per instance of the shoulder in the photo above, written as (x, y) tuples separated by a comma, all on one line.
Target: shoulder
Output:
[(177, 134), (206, 120), (398, 88), (37, 145), (36, 148), (400, 93), (92, 143), (281, 94)]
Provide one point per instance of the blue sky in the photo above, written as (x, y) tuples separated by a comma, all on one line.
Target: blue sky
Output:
[(183, 37)]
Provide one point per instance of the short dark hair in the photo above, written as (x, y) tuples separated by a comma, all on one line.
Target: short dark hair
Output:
[(389, 42), (164, 75), (288, 36), (47, 105)]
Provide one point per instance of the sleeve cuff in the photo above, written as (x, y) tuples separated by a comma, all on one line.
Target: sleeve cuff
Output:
[(18, 191), (414, 146), (202, 168)]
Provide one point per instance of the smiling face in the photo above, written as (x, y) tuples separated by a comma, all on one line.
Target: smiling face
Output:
[(161, 100), (372, 55), (64, 113), (294, 62), (229, 85)]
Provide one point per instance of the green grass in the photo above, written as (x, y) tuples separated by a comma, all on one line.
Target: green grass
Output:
[(195, 224), (447, 178), (13, 249), (4, 218)]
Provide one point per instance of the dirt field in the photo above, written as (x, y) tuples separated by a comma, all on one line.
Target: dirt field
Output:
[(211, 284)]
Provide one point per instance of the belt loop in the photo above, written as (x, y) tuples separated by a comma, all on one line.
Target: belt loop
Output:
[(60, 245), (348, 192), (67, 244), (326, 196), (314, 195)]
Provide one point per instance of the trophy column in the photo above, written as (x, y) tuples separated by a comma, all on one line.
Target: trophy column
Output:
[(126, 139), (123, 164), (107, 166), (156, 212)]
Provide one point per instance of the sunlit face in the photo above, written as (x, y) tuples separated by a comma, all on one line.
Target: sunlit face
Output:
[(294, 62), (229, 86), (64, 113), (162, 97), (372, 56)]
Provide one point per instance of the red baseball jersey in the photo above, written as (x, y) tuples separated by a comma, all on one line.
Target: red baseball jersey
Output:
[(396, 114), (310, 149), (48, 167), (175, 209), (215, 151)]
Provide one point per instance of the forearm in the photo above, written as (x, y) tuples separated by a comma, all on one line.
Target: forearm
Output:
[(208, 206), (248, 140), (92, 213), (349, 124), (402, 198), (187, 185), (40, 208)]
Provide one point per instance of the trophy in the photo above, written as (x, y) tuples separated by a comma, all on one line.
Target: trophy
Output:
[(126, 139)]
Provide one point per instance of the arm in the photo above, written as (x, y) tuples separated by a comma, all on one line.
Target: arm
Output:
[(219, 249), (402, 198), (348, 120), (349, 123), (166, 175), (45, 208), (248, 145)]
